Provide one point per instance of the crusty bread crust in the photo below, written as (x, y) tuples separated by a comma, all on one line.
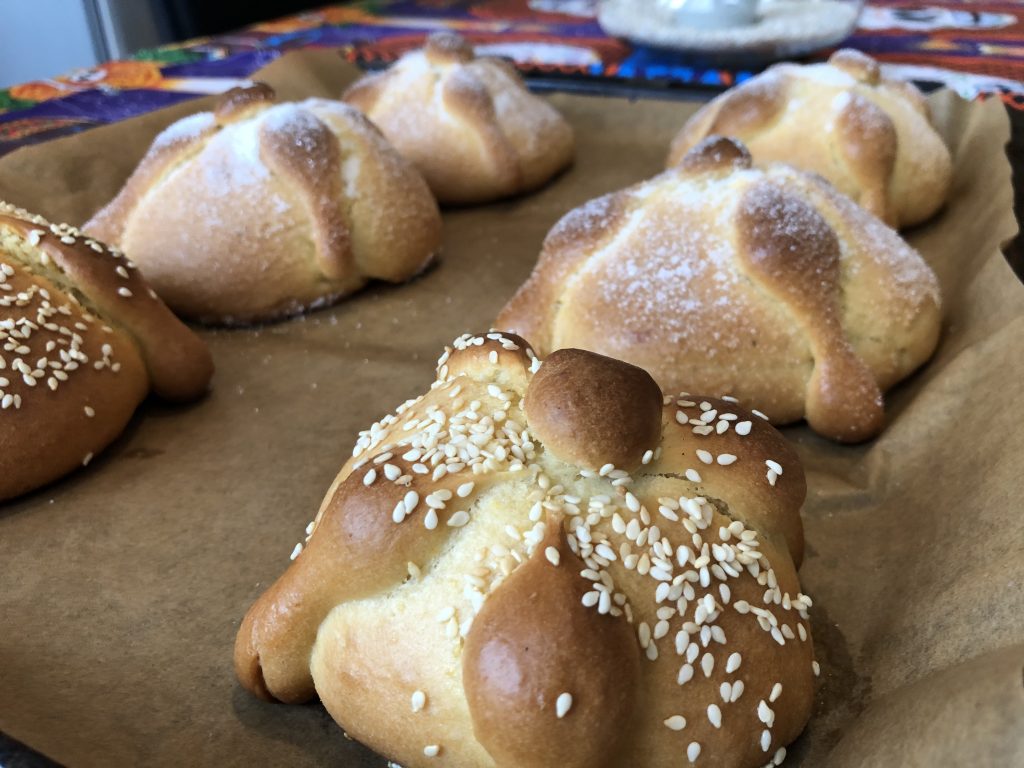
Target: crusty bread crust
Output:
[(469, 124), (258, 210), (869, 135), (721, 276), (481, 589), (84, 339)]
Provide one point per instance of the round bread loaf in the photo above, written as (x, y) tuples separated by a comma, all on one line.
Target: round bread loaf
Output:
[(762, 282), (871, 136), (84, 339), (260, 210), (469, 124), (549, 566)]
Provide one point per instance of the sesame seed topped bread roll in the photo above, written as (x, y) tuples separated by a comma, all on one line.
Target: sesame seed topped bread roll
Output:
[(871, 136), (84, 340), (720, 276), (259, 210), (544, 565), (468, 123)]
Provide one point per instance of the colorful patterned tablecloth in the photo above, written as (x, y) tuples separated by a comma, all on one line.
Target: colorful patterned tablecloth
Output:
[(977, 48)]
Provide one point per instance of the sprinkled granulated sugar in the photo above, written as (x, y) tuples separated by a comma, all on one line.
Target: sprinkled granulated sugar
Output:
[(241, 165), (294, 122), (826, 74), (186, 129), (662, 263)]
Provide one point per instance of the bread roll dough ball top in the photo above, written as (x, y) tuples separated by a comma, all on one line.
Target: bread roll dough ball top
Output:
[(719, 275), (541, 565), (871, 136), (258, 210), (468, 123), (84, 339)]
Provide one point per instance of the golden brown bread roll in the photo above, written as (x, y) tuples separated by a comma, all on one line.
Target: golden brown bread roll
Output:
[(762, 282), (871, 136), (84, 339), (469, 124), (259, 210), (541, 566)]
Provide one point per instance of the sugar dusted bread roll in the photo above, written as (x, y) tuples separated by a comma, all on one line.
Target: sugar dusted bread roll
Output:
[(469, 124), (84, 340), (547, 566), (871, 136), (719, 276), (260, 210)]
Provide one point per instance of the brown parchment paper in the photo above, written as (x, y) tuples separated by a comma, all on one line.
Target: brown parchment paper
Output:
[(121, 587)]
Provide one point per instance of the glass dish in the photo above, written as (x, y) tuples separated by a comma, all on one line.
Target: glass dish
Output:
[(732, 31)]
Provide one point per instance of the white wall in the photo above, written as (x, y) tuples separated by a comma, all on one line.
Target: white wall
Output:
[(42, 38)]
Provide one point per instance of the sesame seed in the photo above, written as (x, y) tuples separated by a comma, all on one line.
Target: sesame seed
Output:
[(707, 664), (122, 291), (766, 740), (648, 455), (418, 701), (86, 459), (89, 411), (693, 476), (693, 752), (733, 663), (563, 704), (411, 500), (816, 668), (776, 692), (432, 750), (606, 470), (715, 715), (743, 428), (399, 513), (458, 519), (675, 723), (774, 466), (445, 614), (430, 519), (552, 555), (465, 489), (725, 459), (685, 674), (296, 551), (780, 756), (369, 477), (704, 456), (758, 414), (121, 271), (413, 570)]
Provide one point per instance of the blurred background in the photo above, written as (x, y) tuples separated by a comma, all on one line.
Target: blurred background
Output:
[(82, 33)]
